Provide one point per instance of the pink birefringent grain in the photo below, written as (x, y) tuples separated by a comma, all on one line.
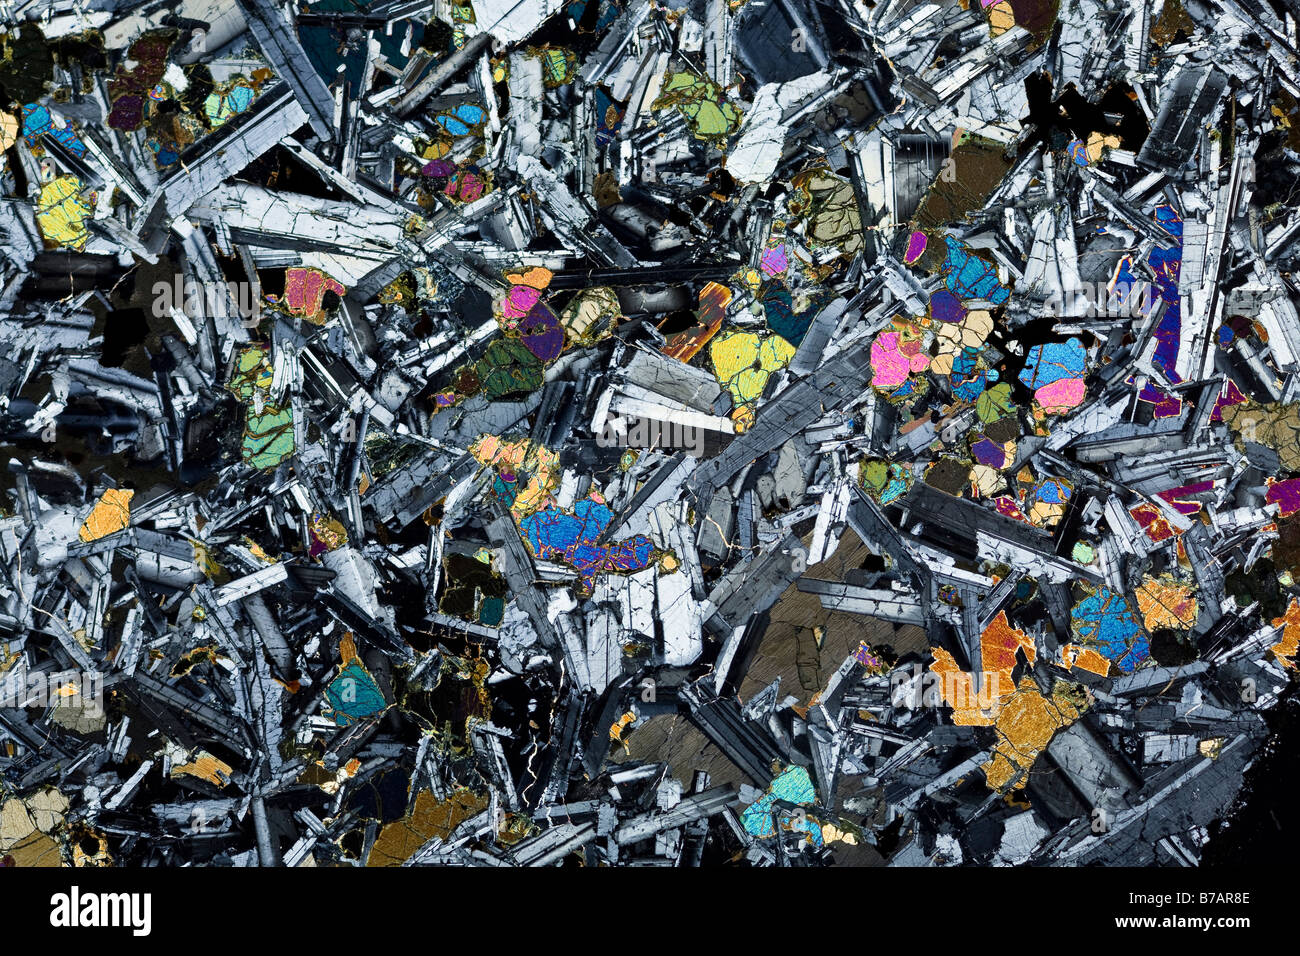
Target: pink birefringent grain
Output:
[(1060, 396), (890, 365), (892, 362), (774, 260)]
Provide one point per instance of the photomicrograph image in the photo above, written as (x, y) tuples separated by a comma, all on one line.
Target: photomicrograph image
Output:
[(677, 433)]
